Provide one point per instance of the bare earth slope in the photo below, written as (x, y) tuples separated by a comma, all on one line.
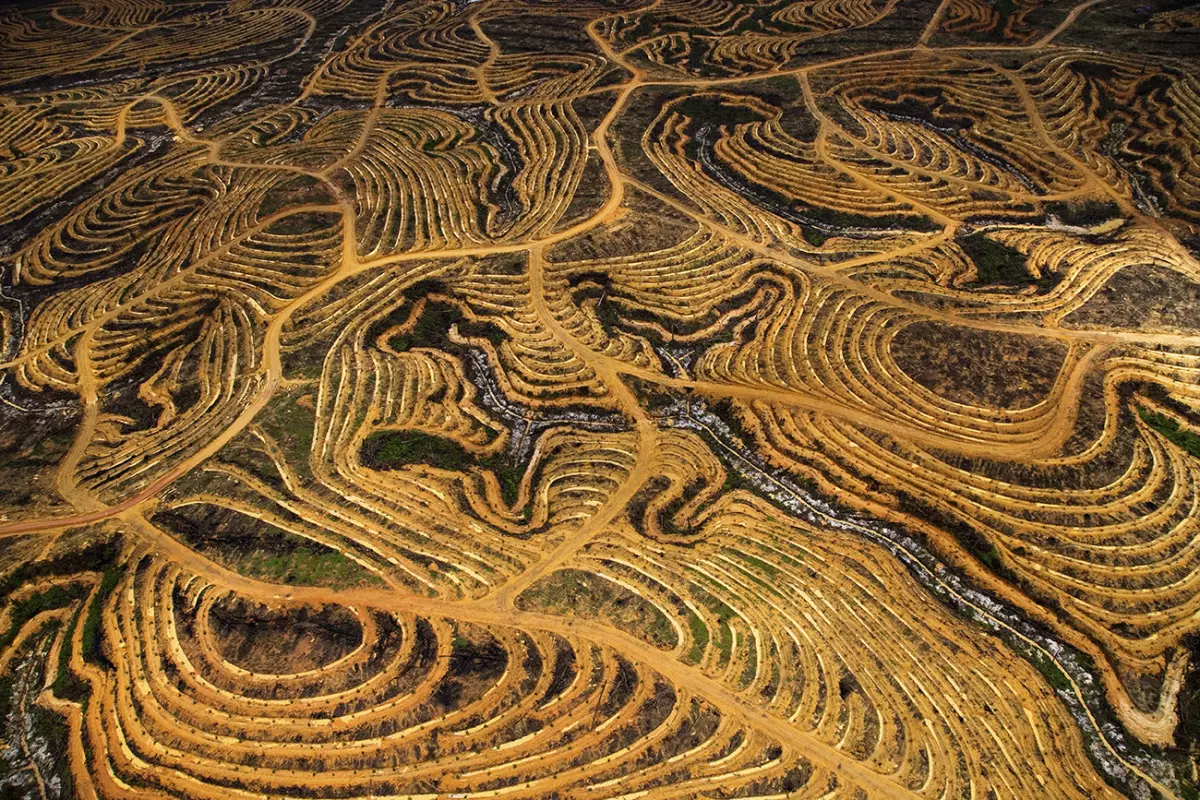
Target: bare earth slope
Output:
[(605, 399)]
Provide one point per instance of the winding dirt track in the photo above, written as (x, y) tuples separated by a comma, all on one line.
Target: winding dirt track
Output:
[(1040, 433)]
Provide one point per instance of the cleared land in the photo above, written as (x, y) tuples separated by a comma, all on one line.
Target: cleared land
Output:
[(605, 399)]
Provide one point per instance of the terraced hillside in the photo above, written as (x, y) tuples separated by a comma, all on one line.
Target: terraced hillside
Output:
[(600, 399)]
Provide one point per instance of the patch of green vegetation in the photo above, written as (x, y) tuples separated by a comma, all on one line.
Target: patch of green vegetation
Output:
[(95, 555), (650, 395), (1188, 441), (759, 571), (291, 425), (791, 561), (660, 631), (429, 329), (735, 480), (306, 567), (995, 263), (666, 522), (1050, 670), (750, 669), (699, 638), (716, 109), (66, 685), (724, 337), (769, 570), (843, 220), (723, 613), (30, 607), (394, 449), (1084, 214), (259, 549), (88, 558), (397, 448), (975, 542), (608, 313), (583, 594), (433, 327), (90, 638), (725, 643), (991, 558), (814, 236)]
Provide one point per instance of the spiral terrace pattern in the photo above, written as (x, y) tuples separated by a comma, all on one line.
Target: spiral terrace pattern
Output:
[(607, 399)]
